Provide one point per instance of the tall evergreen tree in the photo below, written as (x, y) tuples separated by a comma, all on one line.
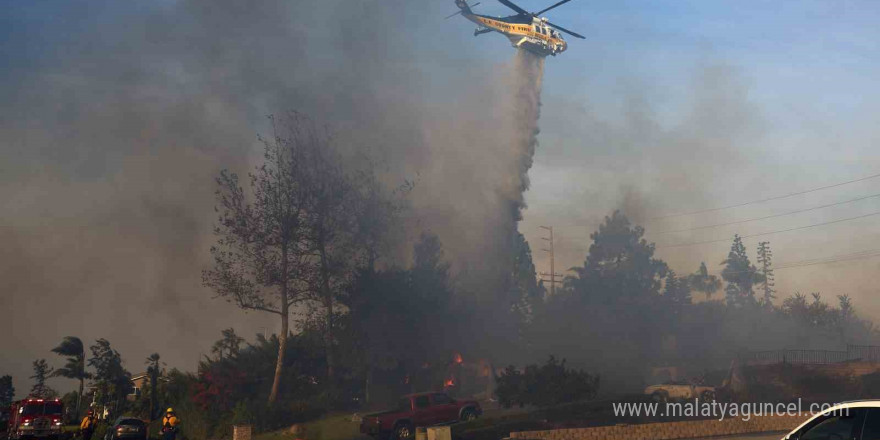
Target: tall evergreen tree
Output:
[(524, 282), (620, 263), (765, 262), (740, 275), (676, 290)]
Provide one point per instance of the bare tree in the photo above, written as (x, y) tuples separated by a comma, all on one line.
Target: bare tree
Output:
[(42, 371), (261, 255)]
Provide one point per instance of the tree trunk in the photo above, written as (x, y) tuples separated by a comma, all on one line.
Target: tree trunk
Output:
[(80, 397), (154, 396), (282, 345), (327, 296), (328, 303), (369, 378)]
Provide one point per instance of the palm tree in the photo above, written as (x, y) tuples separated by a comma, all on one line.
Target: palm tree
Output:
[(75, 368)]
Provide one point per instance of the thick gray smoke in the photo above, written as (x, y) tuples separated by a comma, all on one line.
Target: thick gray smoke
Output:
[(519, 139), (528, 74), (115, 118), (110, 140)]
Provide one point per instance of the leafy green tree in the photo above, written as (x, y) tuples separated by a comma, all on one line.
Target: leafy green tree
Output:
[(620, 281), (261, 255), (393, 308), (331, 231), (69, 401), (42, 371), (847, 311), (112, 381), (740, 275), (701, 281), (7, 391), (765, 263), (545, 385), (75, 365), (382, 318)]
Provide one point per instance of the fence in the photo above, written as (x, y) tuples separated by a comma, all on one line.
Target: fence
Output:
[(863, 353)]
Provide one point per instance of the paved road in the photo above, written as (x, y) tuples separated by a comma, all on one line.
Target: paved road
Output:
[(757, 436)]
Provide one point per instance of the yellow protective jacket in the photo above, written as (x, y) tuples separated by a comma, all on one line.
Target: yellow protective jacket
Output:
[(87, 423), (170, 421)]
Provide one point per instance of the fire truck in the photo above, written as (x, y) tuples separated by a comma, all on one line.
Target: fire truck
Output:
[(35, 418)]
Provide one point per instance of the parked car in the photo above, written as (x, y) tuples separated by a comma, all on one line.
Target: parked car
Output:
[(680, 390), (418, 410), (127, 428), (858, 420)]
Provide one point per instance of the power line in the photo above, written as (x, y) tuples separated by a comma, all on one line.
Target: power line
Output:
[(770, 216), (765, 200), (824, 260), (771, 232), (552, 273)]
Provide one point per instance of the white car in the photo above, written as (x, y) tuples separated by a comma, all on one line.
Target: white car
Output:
[(680, 391), (859, 420)]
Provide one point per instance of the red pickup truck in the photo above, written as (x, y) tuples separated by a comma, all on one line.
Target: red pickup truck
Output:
[(417, 410)]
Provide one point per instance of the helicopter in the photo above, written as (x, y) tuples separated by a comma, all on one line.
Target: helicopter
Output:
[(525, 30)]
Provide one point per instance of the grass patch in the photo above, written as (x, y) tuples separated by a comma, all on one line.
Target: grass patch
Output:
[(337, 427)]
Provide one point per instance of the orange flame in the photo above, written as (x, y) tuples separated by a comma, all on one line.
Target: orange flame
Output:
[(458, 358), (449, 383)]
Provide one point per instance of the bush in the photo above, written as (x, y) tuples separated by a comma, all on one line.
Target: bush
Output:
[(545, 385)]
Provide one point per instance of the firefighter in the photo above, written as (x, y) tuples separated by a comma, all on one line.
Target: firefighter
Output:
[(169, 425), (87, 427)]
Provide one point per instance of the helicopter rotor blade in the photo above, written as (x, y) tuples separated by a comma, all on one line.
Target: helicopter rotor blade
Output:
[(573, 34), (459, 12), (552, 7), (516, 8)]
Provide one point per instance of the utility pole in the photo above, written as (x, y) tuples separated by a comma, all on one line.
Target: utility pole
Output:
[(552, 273)]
